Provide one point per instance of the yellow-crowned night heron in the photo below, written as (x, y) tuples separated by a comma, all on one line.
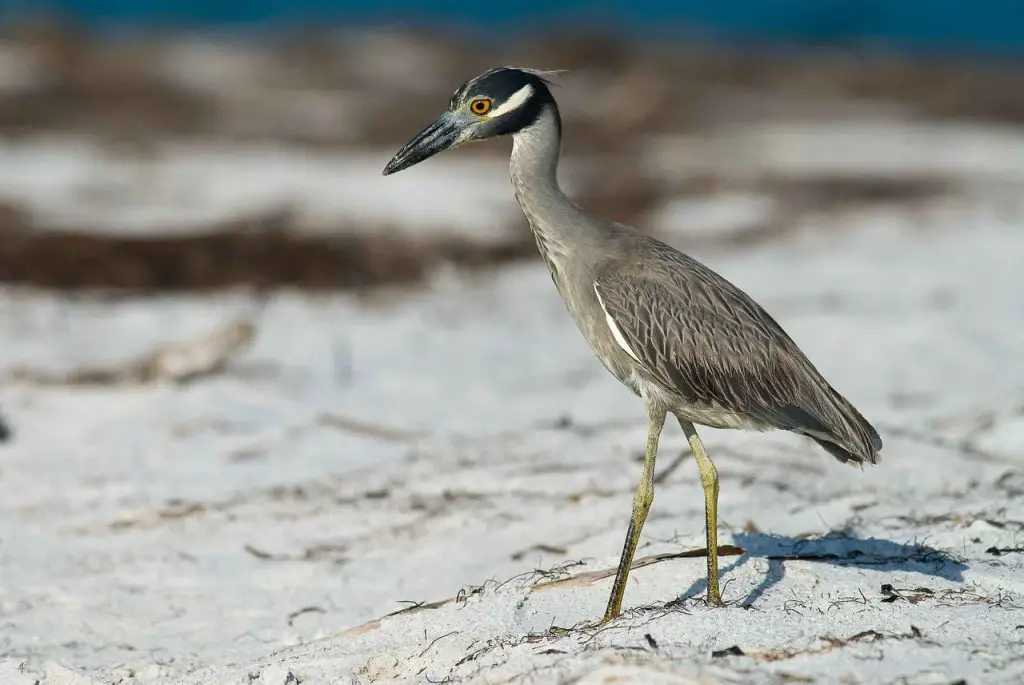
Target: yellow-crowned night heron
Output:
[(670, 329)]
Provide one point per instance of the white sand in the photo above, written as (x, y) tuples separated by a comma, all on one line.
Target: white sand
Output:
[(369, 456), (74, 183), (226, 533)]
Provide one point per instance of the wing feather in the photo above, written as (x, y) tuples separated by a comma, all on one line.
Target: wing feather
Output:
[(711, 344)]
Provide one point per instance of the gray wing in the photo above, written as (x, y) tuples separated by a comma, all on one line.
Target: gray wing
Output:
[(698, 334)]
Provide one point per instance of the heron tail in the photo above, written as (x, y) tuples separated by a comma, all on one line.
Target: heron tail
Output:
[(838, 427)]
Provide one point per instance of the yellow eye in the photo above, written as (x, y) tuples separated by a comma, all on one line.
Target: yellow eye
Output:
[(480, 106)]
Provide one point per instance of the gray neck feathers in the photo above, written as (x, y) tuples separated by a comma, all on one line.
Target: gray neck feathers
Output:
[(559, 226)]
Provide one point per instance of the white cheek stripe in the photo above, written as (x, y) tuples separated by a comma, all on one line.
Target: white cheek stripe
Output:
[(616, 333), (515, 102)]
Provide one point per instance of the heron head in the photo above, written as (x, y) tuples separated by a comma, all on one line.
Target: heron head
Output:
[(498, 102)]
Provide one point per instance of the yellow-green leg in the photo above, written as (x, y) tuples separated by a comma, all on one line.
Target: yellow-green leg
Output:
[(709, 481), (641, 505)]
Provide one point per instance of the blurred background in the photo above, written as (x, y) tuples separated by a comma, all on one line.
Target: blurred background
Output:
[(153, 145)]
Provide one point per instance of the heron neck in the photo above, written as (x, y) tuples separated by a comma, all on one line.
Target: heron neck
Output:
[(554, 218)]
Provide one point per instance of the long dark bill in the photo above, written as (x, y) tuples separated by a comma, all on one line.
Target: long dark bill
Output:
[(438, 137)]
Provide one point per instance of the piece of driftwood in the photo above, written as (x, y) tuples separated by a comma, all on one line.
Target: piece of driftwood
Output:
[(174, 363), (367, 429)]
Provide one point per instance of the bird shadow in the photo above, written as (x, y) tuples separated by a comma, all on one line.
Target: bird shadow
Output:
[(838, 548)]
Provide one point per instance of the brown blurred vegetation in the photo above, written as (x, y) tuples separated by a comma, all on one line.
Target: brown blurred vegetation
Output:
[(127, 93)]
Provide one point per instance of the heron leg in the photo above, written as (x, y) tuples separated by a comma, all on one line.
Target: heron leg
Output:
[(709, 481), (642, 499)]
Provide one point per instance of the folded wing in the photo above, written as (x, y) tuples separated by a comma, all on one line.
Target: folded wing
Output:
[(703, 338)]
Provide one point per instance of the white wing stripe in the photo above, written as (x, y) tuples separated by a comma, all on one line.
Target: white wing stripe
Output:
[(616, 333)]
